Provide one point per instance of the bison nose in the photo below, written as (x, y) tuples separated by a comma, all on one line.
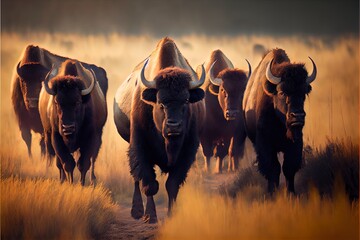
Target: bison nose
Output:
[(32, 102), (173, 127), (298, 115), (68, 129), (173, 123), (231, 114), (297, 119)]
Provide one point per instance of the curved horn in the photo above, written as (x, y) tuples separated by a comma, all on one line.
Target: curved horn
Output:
[(270, 76), (17, 69), (312, 77), (50, 75), (148, 84), (249, 74), (213, 80), (91, 87), (195, 84)]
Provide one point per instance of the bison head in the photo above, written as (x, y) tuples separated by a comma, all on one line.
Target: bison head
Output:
[(231, 84), (170, 94), (69, 99), (288, 88), (30, 79)]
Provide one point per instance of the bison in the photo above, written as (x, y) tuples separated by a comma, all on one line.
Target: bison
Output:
[(30, 72), (224, 125), (274, 115), (73, 112), (161, 118)]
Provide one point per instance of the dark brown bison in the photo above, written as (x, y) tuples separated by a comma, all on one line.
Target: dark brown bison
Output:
[(274, 115), (30, 72), (73, 112), (161, 120), (224, 128)]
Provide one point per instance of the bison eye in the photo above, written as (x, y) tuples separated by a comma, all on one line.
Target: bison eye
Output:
[(282, 94)]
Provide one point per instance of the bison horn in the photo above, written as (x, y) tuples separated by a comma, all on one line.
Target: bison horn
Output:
[(213, 80), (270, 76), (91, 87), (249, 69), (312, 77), (18, 69), (148, 84), (195, 84), (52, 73)]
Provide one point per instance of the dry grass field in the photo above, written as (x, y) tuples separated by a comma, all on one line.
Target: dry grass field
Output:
[(32, 196)]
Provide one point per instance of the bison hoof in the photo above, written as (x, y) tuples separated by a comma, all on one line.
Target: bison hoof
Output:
[(148, 219), (93, 182)]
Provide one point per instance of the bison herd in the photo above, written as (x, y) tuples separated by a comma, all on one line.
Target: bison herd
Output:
[(165, 110)]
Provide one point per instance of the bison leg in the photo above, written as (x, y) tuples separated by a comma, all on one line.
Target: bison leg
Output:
[(270, 167), (61, 170), (50, 152), (150, 188), (150, 212), (207, 148), (172, 187), (92, 176), (42, 146), (137, 209), (62, 152), (221, 151), (236, 151), (292, 164), (83, 165), (207, 164), (175, 179), (93, 159), (26, 136)]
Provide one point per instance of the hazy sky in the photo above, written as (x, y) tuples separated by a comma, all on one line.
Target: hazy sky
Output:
[(177, 17)]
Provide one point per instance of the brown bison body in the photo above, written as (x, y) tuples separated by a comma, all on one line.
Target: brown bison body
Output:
[(275, 116), (73, 112), (161, 120), (223, 129), (28, 76)]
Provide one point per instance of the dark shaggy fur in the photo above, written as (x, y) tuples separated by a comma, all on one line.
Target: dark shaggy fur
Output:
[(66, 83), (70, 123), (270, 128), (34, 64), (223, 134), (164, 127), (233, 74), (174, 79)]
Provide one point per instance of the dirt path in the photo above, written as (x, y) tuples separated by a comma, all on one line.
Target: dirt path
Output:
[(125, 227)]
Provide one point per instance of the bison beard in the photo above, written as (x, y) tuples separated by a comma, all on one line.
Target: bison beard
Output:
[(294, 133), (173, 147)]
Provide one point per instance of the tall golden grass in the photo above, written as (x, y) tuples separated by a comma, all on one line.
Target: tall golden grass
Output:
[(46, 209), (202, 215), (332, 112)]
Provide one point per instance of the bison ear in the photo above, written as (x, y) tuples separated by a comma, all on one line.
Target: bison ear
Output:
[(214, 89), (149, 95), (196, 95), (269, 88)]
